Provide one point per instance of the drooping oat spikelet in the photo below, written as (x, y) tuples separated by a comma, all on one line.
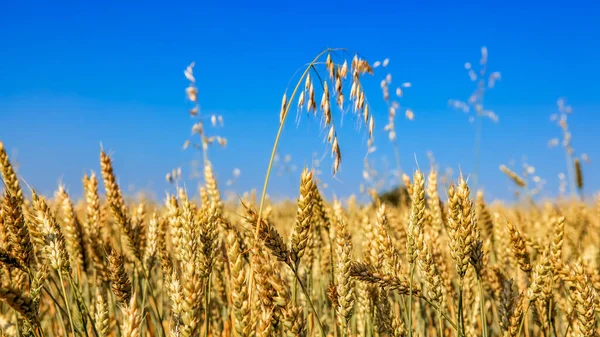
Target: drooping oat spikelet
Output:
[(344, 282), (519, 248), (120, 282), (9, 176), (302, 226), (72, 231), (117, 206), (513, 176), (461, 226)]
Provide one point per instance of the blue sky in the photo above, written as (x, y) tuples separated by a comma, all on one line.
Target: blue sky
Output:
[(76, 74)]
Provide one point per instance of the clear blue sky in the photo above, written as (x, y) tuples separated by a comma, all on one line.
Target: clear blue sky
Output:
[(74, 74)]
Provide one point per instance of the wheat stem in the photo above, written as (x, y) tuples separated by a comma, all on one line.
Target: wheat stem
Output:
[(410, 299), (482, 309), (65, 298)]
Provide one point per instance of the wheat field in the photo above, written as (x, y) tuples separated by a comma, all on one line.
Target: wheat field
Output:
[(435, 260)]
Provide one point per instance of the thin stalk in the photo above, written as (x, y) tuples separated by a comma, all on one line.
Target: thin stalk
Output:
[(157, 311), (312, 307), (549, 308), (331, 262), (40, 332), (86, 309), (554, 329), (295, 289), (64, 294), (410, 299), (482, 309), (17, 323), (523, 319), (459, 314), (207, 305), (439, 310), (150, 290), (48, 291), (568, 327)]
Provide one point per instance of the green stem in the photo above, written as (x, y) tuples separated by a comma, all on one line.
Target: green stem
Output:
[(310, 303), (295, 289), (440, 312), (549, 307), (157, 311), (64, 293), (410, 299), (441, 325), (523, 319), (459, 313), (17, 324), (207, 305), (75, 286)]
